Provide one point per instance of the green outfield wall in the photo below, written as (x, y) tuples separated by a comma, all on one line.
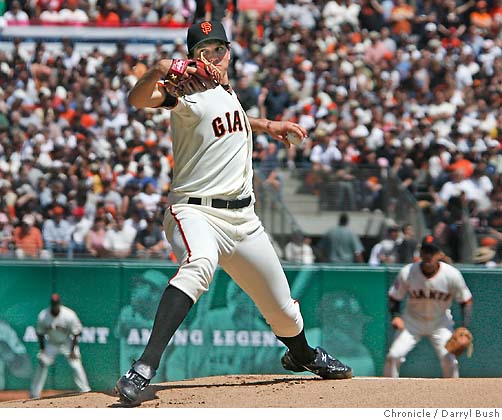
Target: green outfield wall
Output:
[(344, 308)]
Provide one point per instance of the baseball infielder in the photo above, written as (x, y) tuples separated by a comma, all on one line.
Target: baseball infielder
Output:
[(430, 287), (211, 218), (58, 328)]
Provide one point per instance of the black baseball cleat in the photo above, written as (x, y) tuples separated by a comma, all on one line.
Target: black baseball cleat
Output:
[(129, 386), (324, 365)]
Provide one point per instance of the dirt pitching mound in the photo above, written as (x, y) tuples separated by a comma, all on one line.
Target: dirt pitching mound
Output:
[(267, 391)]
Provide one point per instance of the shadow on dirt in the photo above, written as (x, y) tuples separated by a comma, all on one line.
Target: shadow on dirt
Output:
[(150, 393)]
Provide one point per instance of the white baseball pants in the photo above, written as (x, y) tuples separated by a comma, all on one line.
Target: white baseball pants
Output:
[(46, 358), (407, 339), (203, 237)]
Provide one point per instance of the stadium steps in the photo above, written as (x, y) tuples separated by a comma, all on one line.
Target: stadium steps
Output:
[(314, 221)]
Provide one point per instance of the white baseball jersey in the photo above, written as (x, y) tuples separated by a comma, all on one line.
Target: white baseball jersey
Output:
[(429, 298), (427, 314), (212, 150), (212, 145), (59, 329)]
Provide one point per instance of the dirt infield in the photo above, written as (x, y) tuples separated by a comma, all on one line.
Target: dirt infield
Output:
[(267, 391)]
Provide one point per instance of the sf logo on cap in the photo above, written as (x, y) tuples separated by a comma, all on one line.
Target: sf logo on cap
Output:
[(206, 27)]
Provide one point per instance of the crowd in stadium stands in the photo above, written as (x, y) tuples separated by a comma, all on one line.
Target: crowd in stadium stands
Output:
[(105, 12), (414, 88)]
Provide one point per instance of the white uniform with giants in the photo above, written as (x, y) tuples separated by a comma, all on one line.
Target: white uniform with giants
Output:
[(213, 148), (59, 332), (427, 314)]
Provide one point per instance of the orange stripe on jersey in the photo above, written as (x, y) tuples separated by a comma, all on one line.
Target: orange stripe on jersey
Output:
[(178, 222)]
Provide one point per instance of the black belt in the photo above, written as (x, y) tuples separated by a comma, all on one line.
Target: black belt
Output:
[(223, 204)]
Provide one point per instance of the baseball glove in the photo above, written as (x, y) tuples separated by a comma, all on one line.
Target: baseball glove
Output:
[(179, 81), (460, 341)]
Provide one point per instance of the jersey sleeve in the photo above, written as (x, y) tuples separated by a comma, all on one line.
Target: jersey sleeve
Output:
[(460, 291), (41, 328), (75, 324), (399, 288)]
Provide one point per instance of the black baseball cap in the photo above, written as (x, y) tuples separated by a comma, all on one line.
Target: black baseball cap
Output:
[(430, 245), (205, 31)]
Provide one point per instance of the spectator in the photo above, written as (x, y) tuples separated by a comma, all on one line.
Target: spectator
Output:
[(73, 14), (480, 18), (26, 199), (28, 240), (451, 188), (127, 9), (56, 232), (53, 195), (401, 18), (269, 166), (248, 95), (106, 14), (80, 228), (16, 15), (450, 18), (479, 188), (485, 255), (146, 14), (371, 15), (325, 153), (130, 198), (376, 51), (149, 197), (373, 194), (385, 251), (298, 250), (137, 218), (119, 239), (51, 14), (341, 244), (149, 242), (218, 9), (95, 238), (342, 194), (274, 102), (6, 238), (407, 246), (110, 197)]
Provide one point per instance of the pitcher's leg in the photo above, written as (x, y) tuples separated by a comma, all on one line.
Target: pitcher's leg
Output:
[(257, 269), (195, 246), (194, 242), (172, 310)]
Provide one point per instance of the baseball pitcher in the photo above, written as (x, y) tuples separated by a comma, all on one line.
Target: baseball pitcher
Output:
[(211, 218)]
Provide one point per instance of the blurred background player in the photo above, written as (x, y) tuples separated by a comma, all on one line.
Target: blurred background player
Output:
[(58, 329), (430, 286)]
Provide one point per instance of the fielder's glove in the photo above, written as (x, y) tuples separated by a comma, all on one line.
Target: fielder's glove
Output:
[(460, 341), (179, 81)]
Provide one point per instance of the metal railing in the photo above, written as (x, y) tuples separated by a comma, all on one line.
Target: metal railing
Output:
[(275, 216), (402, 207)]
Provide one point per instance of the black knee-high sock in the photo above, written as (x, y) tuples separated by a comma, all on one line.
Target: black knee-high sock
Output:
[(172, 310), (299, 347)]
